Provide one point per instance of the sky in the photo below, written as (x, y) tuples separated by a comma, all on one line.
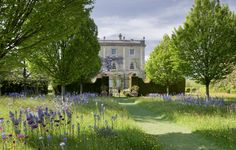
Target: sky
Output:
[(136, 19)]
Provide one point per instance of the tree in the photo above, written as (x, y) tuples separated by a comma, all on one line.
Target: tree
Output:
[(163, 64), (207, 42), (228, 84), (72, 59), (8, 67), (25, 24)]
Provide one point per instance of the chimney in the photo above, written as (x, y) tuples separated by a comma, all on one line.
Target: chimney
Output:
[(120, 36), (123, 37), (104, 38)]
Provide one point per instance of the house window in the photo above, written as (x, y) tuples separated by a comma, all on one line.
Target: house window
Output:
[(131, 51), (113, 51), (113, 66), (131, 66)]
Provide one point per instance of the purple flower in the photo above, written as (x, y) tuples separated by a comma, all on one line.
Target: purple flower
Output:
[(4, 137), (49, 137), (1, 120), (34, 126), (65, 139), (21, 136)]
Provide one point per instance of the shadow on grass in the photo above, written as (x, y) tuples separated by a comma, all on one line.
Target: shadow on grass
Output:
[(156, 115), (221, 136), (189, 141), (125, 100), (197, 141), (230, 101)]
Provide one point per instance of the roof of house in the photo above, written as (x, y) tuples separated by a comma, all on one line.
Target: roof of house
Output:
[(122, 43)]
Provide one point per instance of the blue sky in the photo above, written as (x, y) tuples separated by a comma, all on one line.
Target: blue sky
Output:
[(142, 18)]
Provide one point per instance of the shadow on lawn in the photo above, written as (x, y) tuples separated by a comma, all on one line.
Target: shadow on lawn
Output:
[(189, 141), (158, 115), (198, 140)]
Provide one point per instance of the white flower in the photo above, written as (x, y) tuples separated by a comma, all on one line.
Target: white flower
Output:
[(62, 144)]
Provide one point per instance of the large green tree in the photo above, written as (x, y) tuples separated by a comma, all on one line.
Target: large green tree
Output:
[(163, 65), (28, 23), (72, 59), (206, 42)]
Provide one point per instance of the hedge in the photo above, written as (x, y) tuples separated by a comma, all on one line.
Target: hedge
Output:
[(28, 87), (147, 88), (87, 87)]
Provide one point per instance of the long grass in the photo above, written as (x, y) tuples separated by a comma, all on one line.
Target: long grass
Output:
[(89, 127), (217, 123)]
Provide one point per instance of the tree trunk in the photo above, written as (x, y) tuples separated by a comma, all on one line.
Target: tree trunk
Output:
[(63, 90), (81, 88), (207, 91), (24, 80), (167, 90)]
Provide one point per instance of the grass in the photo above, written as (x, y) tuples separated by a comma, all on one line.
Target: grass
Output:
[(79, 133), (217, 124), (199, 89)]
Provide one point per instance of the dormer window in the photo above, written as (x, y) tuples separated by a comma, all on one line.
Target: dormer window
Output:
[(113, 51), (131, 66), (131, 51)]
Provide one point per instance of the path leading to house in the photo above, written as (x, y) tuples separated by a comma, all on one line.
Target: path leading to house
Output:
[(170, 135)]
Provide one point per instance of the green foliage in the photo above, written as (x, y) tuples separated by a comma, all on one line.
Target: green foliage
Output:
[(215, 123), (134, 90), (206, 42), (227, 85), (124, 135), (89, 87), (17, 86), (72, 59), (151, 87), (163, 65), (28, 23)]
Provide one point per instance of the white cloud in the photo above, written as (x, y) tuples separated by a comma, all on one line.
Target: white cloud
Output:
[(139, 18), (135, 28)]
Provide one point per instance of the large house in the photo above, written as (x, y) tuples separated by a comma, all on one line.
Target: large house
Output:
[(121, 59)]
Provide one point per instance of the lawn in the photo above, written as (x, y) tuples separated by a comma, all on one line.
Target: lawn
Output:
[(217, 124), (48, 123), (113, 123)]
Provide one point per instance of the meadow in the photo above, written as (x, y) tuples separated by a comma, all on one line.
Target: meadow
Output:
[(80, 122), (216, 123), (92, 123)]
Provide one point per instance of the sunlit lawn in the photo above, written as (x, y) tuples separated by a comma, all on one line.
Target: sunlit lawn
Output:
[(217, 124)]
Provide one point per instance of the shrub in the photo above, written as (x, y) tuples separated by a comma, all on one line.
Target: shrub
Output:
[(127, 93), (151, 87), (188, 90), (194, 90), (134, 90), (104, 89)]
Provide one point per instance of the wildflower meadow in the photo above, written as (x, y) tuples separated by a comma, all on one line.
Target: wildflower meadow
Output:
[(80, 122)]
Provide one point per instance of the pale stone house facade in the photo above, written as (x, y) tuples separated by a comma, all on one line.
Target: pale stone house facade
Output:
[(125, 58)]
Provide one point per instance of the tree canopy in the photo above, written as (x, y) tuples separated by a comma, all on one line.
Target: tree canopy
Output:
[(206, 42), (163, 66), (28, 23), (76, 57)]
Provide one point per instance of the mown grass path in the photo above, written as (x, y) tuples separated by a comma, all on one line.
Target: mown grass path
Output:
[(171, 135)]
